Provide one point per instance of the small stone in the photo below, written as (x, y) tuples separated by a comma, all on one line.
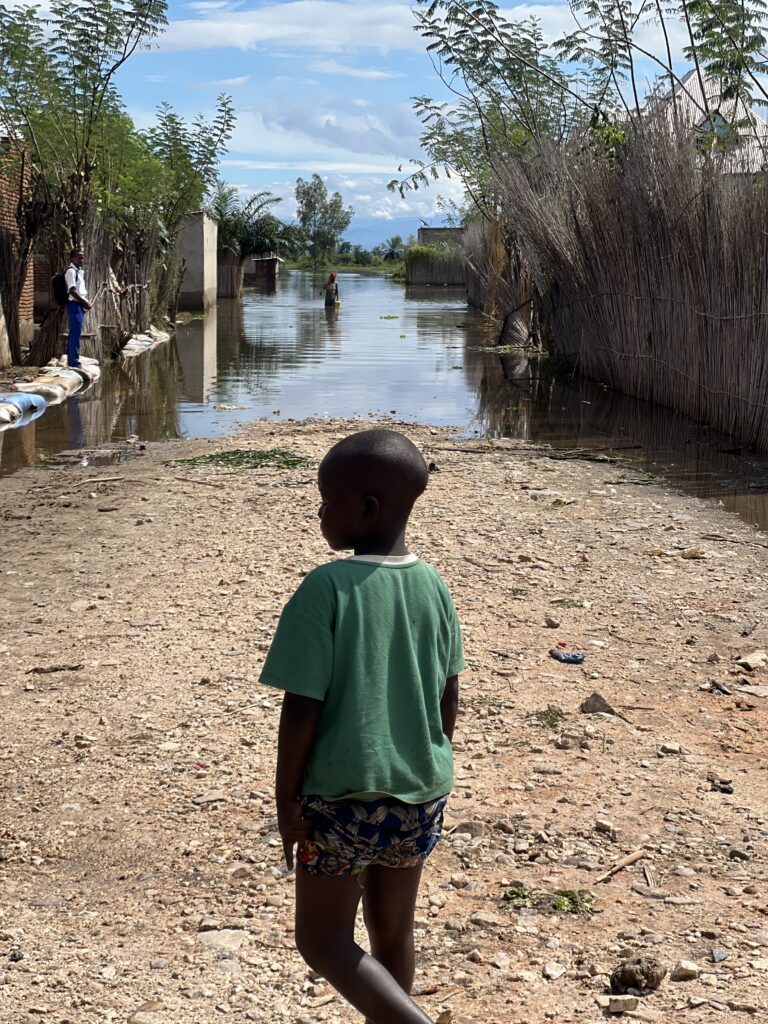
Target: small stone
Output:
[(685, 970), (48, 901), (212, 796), (551, 622), (228, 967), (739, 1007), (759, 965), (755, 660), (737, 854), (158, 963), (471, 828), (605, 826), (621, 1004), (670, 748), (455, 924), (484, 919), (553, 970), (719, 955), (227, 940)]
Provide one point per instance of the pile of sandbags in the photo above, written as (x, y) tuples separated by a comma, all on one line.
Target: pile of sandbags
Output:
[(144, 342), (19, 410), (53, 384)]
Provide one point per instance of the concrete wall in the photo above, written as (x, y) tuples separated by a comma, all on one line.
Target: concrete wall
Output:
[(196, 245)]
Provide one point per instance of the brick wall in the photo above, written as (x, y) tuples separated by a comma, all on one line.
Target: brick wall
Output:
[(8, 199)]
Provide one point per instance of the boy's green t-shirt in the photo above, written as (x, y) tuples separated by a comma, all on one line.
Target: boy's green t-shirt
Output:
[(375, 640)]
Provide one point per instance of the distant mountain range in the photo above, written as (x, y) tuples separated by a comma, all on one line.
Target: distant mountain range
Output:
[(370, 231)]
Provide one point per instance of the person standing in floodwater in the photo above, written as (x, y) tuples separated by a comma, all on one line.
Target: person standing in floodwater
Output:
[(331, 290)]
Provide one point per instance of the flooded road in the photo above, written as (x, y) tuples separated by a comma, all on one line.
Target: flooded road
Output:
[(415, 354)]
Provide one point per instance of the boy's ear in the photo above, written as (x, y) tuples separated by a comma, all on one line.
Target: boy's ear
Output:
[(371, 508)]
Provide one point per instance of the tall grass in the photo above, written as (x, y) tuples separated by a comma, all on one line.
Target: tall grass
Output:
[(653, 265)]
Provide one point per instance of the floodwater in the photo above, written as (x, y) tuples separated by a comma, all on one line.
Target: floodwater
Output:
[(416, 354)]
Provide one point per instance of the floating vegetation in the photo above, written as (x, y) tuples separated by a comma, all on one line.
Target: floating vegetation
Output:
[(564, 901), (388, 316), (249, 458)]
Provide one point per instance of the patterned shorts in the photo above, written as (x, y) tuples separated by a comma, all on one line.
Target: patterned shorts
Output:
[(347, 836)]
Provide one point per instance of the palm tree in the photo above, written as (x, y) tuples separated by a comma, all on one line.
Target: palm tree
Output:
[(245, 229), (393, 248)]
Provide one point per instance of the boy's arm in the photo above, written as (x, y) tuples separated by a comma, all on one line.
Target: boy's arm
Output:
[(449, 705), (298, 724)]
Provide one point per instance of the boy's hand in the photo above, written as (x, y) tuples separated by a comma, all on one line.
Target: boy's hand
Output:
[(292, 827)]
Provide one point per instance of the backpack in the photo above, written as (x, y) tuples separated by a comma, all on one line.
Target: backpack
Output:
[(59, 289)]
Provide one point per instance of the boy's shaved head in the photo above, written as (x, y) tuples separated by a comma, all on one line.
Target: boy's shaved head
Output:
[(380, 462)]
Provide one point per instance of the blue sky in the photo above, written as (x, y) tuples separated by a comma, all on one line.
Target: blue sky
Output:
[(319, 85)]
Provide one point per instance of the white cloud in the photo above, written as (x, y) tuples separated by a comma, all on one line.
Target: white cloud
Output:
[(335, 67), (329, 26), (315, 166), (222, 83), (391, 130)]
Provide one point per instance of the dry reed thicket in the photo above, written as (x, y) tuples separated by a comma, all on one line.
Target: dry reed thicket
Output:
[(654, 267), (435, 265)]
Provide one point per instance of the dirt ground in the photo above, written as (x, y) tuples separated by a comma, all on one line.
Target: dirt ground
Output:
[(140, 871)]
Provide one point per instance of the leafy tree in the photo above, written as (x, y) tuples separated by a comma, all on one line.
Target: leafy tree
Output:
[(190, 154), (323, 219), (56, 90)]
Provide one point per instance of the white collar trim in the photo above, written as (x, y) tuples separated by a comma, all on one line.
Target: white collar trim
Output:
[(384, 559)]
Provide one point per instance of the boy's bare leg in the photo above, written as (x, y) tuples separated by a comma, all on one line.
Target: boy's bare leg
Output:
[(325, 926), (389, 904)]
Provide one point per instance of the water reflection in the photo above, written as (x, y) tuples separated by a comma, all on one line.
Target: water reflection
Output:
[(416, 352)]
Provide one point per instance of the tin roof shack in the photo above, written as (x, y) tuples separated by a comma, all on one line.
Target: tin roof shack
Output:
[(197, 247)]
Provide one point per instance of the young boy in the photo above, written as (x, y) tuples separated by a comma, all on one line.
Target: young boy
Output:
[(368, 652)]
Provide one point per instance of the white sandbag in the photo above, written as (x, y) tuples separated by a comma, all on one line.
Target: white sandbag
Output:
[(9, 413), (157, 335), (52, 392), (70, 380)]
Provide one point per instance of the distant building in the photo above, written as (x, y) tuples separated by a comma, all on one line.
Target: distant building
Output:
[(717, 123), (441, 236), (197, 247)]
